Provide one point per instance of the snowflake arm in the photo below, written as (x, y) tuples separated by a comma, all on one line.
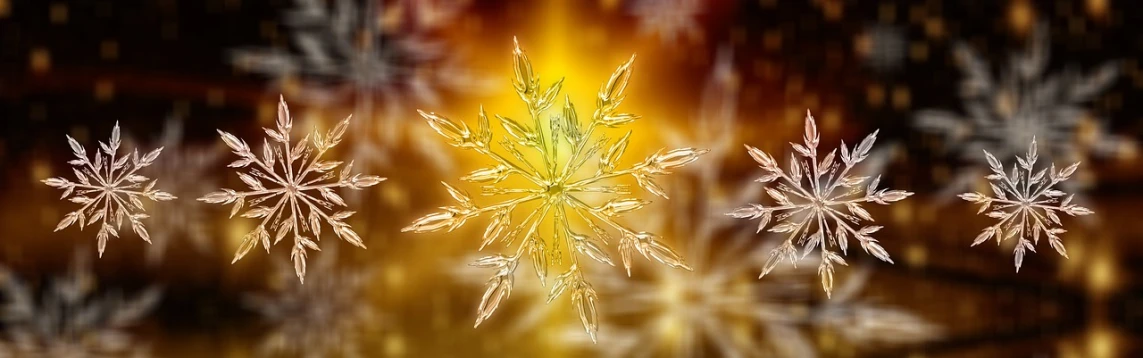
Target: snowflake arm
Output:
[(1026, 204), (298, 177), (556, 190), (809, 187), (116, 185)]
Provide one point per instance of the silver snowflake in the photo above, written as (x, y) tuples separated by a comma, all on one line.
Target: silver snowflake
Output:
[(329, 317), (300, 180), (669, 20), (1026, 203), (344, 53), (816, 191), (71, 319), (1003, 114), (186, 169), (116, 185)]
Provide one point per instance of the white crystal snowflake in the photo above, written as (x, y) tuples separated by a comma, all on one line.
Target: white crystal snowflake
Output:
[(345, 53), (556, 190), (299, 176), (816, 191), (1031, 210), (185, 169), (71, 319), (1003, 114), (669, 20), (328, 317), (117, 187)]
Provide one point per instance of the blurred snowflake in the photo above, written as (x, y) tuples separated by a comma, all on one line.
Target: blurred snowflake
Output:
[(71, 319), (720, 310), (358, 51), (117, 185), (1005, 113), (882, 47), (1033, 206), (713, 126), (328, 317), (820, 201), (556, 190), (669, 20), (300, 181), (186, 170)]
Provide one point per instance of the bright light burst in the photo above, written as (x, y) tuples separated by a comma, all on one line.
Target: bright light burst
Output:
[(298, 177), (821, 204), (555, 190), (117, 187), (1031, 210)]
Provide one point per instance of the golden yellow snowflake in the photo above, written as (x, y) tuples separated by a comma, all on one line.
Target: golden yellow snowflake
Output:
[(556, 190), (302, 183)]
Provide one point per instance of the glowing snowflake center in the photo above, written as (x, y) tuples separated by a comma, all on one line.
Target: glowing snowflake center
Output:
[(292, 189), (555, 191)]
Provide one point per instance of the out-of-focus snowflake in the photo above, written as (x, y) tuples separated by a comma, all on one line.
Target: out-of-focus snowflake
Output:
[(817, 192), (330, 317), (298, 176), (353, 51), (555, 189), (1003, 114), (669, 20), (1031, 210), (185, 169), (70, 318), (882, 47), (116, 185), (713, 125), (719, 310)]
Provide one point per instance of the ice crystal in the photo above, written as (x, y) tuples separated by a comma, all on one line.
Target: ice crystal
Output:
[(185, 169), (669, 20), (301, 179), (328, 317), (71, 319), (1003, 114), (1026, 204), (117, 187), (350, 51), (555, 189), (813, 183)]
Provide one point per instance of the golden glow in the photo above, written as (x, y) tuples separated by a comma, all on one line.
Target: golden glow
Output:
[(39, 60), (1021, 17), (1101, 272), (1101, 343)]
